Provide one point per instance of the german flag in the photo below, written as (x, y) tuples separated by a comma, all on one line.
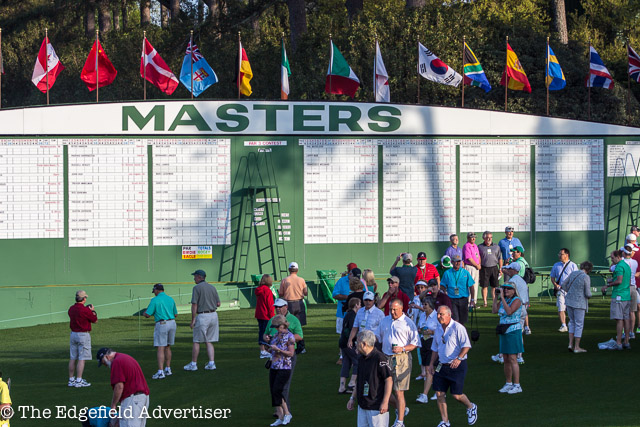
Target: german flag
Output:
[(243, 72)]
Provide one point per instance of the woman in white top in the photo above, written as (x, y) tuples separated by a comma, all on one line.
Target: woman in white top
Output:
[(427, 324)]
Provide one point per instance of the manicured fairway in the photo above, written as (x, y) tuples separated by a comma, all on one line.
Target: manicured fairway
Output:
[(598, 388)]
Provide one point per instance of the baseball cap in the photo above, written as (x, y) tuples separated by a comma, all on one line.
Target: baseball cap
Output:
[(81, 294), (199, 273), (508, 229), (293, 265), (445, 261), (631, 237), (157, 287), (635, 228), (514, 266), (432, 282), (422, 255), (456, 258), (421, 283), (279, 303), (356, 272), (351, 266), (369, 296), (407, 256), (101, 353), (393, 279), (471, 234), (518, 248), (508, 285)]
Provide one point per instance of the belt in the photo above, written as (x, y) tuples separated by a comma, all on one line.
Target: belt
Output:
[(208, 311), (162, 322)]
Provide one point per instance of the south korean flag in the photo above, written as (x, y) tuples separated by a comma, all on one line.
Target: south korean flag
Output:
[(432, 68)]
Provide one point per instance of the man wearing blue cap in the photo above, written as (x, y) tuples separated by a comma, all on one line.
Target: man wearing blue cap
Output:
[(163, 309), (204, 319)]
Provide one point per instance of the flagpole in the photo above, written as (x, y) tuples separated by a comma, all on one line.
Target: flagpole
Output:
[(375, 62), (547, 76), (239, 63), (418, 73), (506, 74), (628, 88), (464, 42), (46, 59), (97, 69), (589, 84), (191, 60), (1, 67), (144, 64), (330, 66)]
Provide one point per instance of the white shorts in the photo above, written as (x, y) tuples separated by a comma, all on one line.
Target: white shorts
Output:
[(131, 410), (206, 328), (80, 346), (560, 301), (339, 323), (372, 418), (164, 333)]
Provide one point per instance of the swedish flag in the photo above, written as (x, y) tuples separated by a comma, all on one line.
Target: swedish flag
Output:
[(554, 76)]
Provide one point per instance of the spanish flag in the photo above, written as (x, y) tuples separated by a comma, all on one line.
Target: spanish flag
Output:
[(243, 71), (513, 71)]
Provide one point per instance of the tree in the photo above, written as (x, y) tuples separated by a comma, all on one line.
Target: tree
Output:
[(104, 16), (414, 4), (90, 19), (175, 9), (560, 20), (354, 7), (297, 21)]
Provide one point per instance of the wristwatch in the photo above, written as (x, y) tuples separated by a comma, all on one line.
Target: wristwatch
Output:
[(459, 358)]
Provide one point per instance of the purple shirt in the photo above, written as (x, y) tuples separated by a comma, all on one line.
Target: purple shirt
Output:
[(451, 252), (470, 251)]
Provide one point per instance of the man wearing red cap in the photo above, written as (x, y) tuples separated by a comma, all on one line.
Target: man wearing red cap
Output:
[(81, 317), (426, 271)]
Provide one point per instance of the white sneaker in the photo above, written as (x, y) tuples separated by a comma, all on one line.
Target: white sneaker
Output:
[(158, 375), (419, 377), (472, 414), (277, 422), (210, 366), (406, 412), (632, 336), (398, 424), (497, 358), (72, 382), (167, 372), (265, 355), (563, 328), (527, 330), (506, 388), (287, 419), (422, 398), (520, 360), (191, 366), (434, 397), (444, 424), (81, 382), (515, 389)]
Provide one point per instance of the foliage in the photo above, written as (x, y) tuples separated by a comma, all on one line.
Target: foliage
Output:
[(439, 25)]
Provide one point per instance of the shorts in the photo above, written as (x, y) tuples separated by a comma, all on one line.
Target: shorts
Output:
[(372, 418), (132, 412), (164, 334), (400, 371), (339, 322), (425, 351), (619, 310), (449, 378), (634, 299), (511, 343), (489, 276), (297, 308), (206, 328), (80, 346), (560, 302)]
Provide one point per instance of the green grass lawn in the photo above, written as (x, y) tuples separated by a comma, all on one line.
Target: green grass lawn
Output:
[(598, 388)]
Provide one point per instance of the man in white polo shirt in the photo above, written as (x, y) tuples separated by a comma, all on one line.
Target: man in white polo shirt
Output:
[(450, 346), (399, 337)]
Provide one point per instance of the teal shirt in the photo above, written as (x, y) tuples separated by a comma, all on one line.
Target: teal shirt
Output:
[(162, 307), (524, 264), (294, 326), (622, 269)]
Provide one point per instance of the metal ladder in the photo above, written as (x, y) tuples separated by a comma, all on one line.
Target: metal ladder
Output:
[(627, 191)]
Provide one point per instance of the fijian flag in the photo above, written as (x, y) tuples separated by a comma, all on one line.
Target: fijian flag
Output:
[(203, 75)]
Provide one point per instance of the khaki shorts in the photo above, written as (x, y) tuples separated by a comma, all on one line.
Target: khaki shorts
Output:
[(164, 333), (400, 371), (619, 310), (206, 328), (634, 299), (80, 346)]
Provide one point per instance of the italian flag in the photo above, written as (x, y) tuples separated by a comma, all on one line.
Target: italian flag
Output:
[(341, 79), (285, 72)]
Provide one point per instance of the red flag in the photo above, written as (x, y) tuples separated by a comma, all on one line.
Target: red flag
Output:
[(155, 70), (106, 71), (46, 60)]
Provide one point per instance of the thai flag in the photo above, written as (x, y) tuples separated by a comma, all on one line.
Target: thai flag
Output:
[(634, 64), (598, 76)]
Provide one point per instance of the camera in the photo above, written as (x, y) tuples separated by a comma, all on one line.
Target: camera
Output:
[(498, 290)]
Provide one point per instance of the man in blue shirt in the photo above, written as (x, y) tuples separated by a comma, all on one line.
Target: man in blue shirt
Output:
[(340, 292), (164, 310), (508, 243), (457, 282), (559, 273)]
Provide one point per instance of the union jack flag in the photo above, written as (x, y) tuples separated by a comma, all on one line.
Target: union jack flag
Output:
[(634, 64), (194, 52)]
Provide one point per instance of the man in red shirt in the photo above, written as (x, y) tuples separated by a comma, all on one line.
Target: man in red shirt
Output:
[(80, 319), (394, 292), (129, 388), (426, 271)]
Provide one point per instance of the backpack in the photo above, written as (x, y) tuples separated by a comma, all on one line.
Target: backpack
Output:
[(529, 275)]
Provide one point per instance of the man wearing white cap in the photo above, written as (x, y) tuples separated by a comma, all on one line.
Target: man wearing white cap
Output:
[(368, 318), (293, 289)]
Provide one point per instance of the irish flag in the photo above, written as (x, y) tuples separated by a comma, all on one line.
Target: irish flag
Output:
[(285, 72), (341, 79)]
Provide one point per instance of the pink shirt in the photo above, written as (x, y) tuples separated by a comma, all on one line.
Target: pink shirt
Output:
[(470, 251)]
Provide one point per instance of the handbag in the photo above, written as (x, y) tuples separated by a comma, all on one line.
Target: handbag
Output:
[(268, 364), (475, 333), (501, 328)]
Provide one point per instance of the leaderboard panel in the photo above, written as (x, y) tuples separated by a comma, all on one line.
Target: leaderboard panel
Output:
[(31, 189)]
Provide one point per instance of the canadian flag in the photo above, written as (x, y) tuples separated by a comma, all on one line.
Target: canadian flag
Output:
[(46, 63), (155, 70)]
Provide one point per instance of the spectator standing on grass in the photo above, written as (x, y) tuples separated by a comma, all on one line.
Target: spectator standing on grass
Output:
[(204, 320), (264, 311), (394, 292), (81, 317), (458, 283), (130, 388), (282, 351), (5, 401), (578, 289), (367, 319), (522, 291), (450, 346), (440, 296), (340, 293), (293, 289), (627, 251), (425, 271), (369, 279), (471, 259), (632, 238), (374, 384), (559, 273), (406, 273), (427, 324), (399, 337), (164, 310), (491, 263), (509, 306), (508, 243), (620, 298), (282, 308), (349, 355), (356, 286), (453, 249)]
